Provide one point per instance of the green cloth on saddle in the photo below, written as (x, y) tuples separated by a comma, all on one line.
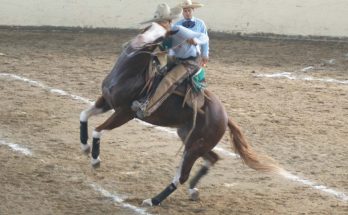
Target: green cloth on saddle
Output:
[(167, 43), (198, 80)]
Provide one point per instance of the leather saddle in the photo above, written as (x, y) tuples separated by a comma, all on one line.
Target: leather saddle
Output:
[(185, 79)]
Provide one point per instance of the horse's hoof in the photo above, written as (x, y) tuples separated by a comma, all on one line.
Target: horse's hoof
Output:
[(95, 162), (85, 148), (194, 194), (147, 203)]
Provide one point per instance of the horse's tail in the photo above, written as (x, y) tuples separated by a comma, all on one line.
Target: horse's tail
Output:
[(249, 156)]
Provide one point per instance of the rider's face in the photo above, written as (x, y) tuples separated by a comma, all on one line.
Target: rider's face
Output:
[(166, 24), (187, 13)]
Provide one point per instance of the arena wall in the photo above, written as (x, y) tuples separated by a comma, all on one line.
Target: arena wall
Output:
[(283, 17)]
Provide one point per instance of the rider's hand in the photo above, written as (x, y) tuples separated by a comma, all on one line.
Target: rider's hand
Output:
[(191, 41), (204, 61)]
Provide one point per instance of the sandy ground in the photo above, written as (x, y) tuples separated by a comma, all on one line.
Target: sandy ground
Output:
[(302, 124)]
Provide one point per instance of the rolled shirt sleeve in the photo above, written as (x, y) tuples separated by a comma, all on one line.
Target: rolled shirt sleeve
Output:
[(185, 34)]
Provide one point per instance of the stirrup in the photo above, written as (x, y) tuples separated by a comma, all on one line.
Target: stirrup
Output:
[(138, 105), (139, 108)]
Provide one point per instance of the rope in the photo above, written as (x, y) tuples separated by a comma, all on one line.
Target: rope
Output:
[(192, 128)]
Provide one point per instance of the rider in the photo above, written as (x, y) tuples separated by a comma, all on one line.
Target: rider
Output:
[(185, 47), (196, 25)]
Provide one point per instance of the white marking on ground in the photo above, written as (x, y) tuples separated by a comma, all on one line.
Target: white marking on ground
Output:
[(117, 199), (172, 132), (165, 129), (307, 68), (337, 194), (230, 185), (52, 90), (17, 148), (285, 174), (291, 76)]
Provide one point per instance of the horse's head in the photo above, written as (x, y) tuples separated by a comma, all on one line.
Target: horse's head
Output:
[(151, 35)]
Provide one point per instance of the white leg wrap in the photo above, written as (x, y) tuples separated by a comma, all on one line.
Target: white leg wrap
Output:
[(97, 134), (95, 162), (91, 111), (147, 203), (194, 194), (85, 147), (207, 164), (176, 180), (83, 116)]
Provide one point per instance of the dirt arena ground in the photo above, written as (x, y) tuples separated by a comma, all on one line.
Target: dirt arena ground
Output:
[(300, 121)]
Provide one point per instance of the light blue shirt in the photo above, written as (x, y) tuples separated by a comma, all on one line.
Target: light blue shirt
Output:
[(180, 48), (199, 27)]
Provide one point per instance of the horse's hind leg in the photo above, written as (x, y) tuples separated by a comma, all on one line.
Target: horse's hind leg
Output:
[(100, 106), (117, 119), (191, 154), (209, 160)]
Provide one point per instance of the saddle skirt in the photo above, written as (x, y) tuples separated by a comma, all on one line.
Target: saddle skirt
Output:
[(187, 72)]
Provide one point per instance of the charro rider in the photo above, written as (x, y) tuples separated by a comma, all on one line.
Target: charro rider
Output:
[(185, 47), (194, 24)]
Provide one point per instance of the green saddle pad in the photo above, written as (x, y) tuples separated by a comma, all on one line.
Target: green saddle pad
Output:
[(198, 80)]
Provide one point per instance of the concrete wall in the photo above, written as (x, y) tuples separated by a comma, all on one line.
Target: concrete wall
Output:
[(287, 17)]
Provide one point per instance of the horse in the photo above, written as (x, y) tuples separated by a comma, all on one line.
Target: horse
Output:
[(125, 83)]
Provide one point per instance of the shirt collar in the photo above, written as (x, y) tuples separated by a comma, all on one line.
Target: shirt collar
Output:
[(193, 19)]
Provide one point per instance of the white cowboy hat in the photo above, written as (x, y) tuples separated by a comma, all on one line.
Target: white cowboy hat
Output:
[(164, 12), (190, 4)]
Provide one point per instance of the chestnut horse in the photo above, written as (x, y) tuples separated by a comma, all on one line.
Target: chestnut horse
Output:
[(125, 83)]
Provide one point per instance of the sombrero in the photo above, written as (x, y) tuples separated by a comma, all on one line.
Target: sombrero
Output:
[(190, 4), (164, 12)]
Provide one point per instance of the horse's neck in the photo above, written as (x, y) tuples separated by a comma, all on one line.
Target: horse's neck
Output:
[(132, 62), (128, 73)]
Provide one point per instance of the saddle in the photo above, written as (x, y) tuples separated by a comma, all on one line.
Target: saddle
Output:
[(193, 90), (185, 79)]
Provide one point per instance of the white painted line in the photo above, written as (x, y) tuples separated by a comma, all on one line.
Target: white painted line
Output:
[(291, 76), (17, 148), (52, 90), (165, 129), (118, 200), (337, 194), (172, 132), (307, 68), (287, 175), (115, 198)]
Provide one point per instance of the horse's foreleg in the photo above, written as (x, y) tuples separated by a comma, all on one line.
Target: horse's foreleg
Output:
[(100, 106), (117, 119), (210, 159)]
